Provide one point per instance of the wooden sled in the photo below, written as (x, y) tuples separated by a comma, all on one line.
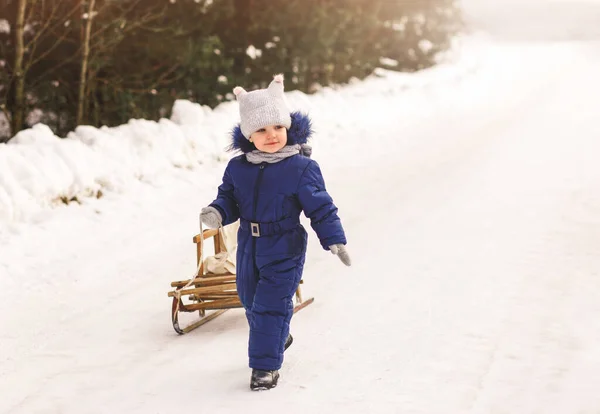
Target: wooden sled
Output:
[(210, 292)]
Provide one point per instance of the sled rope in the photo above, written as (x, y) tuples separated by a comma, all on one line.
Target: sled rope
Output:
[(197, 274), (200, 262)]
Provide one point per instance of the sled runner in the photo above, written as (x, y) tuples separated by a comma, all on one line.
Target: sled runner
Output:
[(213, 287)]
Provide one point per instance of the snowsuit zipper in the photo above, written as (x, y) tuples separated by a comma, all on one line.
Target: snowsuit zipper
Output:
[(261, 170)]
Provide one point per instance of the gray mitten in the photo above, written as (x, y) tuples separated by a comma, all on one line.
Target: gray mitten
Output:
[(211, 217), (340, 251)]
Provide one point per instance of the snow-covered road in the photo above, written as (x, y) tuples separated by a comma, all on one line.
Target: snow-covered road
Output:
[(474, 231)]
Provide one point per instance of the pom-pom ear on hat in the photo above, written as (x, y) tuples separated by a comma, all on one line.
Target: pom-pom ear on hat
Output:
[(276, 85), (238, 90)]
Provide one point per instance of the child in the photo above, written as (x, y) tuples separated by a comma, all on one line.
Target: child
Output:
[(266, 188)]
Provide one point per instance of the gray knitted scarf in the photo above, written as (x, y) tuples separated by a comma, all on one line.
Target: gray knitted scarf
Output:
[(257, 157)]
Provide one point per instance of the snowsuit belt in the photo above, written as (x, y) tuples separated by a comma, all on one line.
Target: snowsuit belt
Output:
[(259, 229)]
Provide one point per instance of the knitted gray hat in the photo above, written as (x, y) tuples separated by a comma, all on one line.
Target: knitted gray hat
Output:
[(263, 107)]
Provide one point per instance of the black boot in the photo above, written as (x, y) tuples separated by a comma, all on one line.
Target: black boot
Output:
[(263, 380), (288, 342)]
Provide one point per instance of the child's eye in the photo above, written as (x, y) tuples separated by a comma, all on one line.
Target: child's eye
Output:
[(278, 126), (261, 130)]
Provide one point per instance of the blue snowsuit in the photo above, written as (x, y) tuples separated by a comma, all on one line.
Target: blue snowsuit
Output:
[(268, 199)]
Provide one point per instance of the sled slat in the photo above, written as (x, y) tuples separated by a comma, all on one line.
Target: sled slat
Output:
[(220, 289), (216, 304), (224, 295), (207, 280)]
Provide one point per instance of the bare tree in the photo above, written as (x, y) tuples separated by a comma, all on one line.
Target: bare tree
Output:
[(18, 112), (84, 62), (40, 28)]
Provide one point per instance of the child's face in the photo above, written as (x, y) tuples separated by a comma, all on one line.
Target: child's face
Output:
[(270, 139)]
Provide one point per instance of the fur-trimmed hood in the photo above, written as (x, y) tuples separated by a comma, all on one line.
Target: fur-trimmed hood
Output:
[(299, 133)]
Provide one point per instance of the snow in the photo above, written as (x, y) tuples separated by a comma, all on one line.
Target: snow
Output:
[(4, 26), (4, 123), (253, 52), (469, 193)]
